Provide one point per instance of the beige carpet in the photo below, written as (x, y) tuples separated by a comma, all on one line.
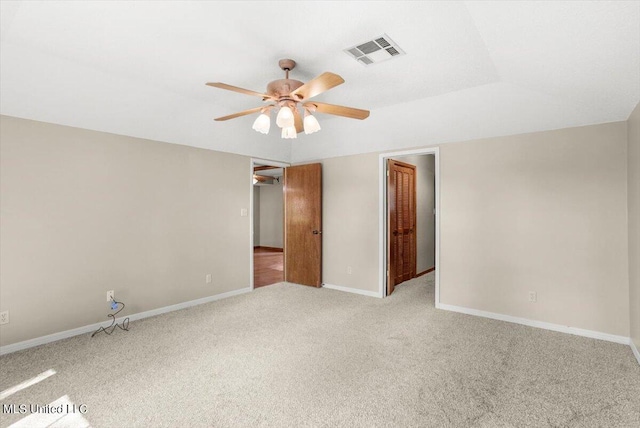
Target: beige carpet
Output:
[(289, 355)]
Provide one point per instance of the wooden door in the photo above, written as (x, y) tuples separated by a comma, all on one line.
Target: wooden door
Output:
[(401, 204), (303, 224)]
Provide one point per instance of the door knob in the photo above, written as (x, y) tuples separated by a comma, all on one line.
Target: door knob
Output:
[(317, 232)]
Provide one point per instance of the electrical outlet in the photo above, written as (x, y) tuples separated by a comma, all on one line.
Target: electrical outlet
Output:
[(110, 295), (208, 278), (349, 270), (533, 296), (4, 317)]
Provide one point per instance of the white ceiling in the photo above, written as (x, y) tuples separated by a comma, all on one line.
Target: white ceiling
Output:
[(472, 69)]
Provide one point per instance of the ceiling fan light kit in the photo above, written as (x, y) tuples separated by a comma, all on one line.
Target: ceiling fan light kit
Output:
[(311, 124), (289, 132), (285, 117), (262, 124), (290, 96)]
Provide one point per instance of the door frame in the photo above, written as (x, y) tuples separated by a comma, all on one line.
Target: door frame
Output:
[(383, 221), (252, 164)]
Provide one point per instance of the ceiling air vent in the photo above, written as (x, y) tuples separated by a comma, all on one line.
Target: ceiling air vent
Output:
[(369, 47), (383, 42), (393, 51), (374, 51)]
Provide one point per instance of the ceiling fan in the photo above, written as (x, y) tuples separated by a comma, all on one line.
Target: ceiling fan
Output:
[(288, 96)]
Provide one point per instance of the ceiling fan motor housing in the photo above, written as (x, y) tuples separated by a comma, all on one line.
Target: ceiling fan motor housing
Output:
[(283, 87)]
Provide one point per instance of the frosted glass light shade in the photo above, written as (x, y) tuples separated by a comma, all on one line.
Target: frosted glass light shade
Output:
[(262, 124), (311, 124), (289, 132), (285, 117)]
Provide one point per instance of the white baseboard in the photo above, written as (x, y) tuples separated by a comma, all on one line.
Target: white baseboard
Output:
[(538, 324), (19, 346), (352, 290), (635, 350)]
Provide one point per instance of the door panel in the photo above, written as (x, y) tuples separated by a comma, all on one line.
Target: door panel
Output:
[(391, 231), (303, 224), (401, 205)]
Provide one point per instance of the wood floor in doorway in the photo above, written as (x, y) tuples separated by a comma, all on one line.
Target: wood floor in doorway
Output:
[(267, 266)]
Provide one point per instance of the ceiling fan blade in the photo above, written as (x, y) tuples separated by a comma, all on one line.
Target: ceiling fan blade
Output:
[(297, 120), (240, 90), (353, 113), (242, 113), (316, 86), (262, 178)]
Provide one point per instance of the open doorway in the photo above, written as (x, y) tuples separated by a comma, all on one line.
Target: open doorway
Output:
[(267, 259), (298, 223), (409, 220)]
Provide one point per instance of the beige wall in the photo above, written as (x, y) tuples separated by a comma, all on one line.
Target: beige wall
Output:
[(83, 212), (350, 221), (271, 215), (633, 173), (425, 203), (256, 216), (542, 212)]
